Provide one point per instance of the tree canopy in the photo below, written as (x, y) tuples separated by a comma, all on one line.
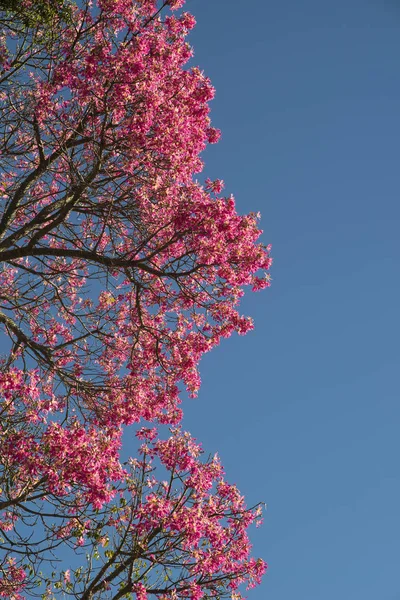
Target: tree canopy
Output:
[(35, 13), (119, 271)]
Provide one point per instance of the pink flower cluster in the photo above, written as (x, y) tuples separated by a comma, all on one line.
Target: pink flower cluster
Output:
[(12, 580), (208, 514), (68, 458)]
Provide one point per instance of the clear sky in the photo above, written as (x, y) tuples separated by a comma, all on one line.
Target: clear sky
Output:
[(305, 410)]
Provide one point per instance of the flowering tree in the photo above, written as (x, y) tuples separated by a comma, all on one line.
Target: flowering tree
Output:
[(119, 271), (180, 537)]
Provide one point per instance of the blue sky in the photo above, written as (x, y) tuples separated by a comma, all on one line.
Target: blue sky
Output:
[(304, 411)]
